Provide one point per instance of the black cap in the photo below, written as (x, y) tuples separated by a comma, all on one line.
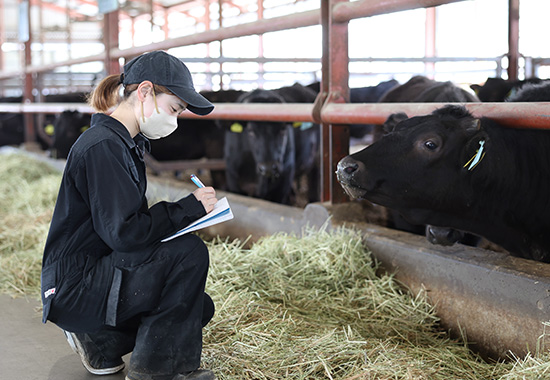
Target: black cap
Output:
[(166, 70)]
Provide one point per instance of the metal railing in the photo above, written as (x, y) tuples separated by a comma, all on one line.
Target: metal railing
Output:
[(330, 108)]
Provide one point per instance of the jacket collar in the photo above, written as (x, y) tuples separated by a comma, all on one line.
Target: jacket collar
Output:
[(116, 126)]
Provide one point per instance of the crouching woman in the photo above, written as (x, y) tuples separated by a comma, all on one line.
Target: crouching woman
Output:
[(107, 280)]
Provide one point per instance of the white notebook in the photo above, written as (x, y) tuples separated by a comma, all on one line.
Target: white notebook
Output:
[(220, 213)]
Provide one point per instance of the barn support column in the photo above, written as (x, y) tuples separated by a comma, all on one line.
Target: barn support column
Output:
[(429, 42), (2, 32), (513, 39), (110, 40), (30, 135), (335, 84)]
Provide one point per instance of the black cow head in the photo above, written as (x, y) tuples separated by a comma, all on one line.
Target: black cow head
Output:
[(268, 141), (422, 164)]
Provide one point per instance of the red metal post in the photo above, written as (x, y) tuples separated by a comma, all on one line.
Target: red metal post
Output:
[(513, 39), (30, 133), (325, 127), (429, 41), (110, 40), (2, 31), (338, 93)]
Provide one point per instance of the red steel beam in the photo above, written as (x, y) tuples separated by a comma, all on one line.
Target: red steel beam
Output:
[(347, 11), (325, 143), (338, 93), (519, 115), (274, 24), (513, 39)]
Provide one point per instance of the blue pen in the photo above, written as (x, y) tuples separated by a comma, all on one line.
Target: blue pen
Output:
[(196, 180)]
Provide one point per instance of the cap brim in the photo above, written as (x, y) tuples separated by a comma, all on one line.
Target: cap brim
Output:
[(196, 103)]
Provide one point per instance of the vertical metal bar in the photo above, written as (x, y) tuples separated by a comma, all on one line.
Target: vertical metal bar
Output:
[(338, 93), (220, 25), (429, 41), (110, 40), (2, 32), (30, 134), (261, 44), (325, 163), (513, 39)]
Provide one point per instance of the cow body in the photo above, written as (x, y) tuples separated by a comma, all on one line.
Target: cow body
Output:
[(420, 89), (263, 159), (499, 90), (423, 170), (259, 156), (67, 128)]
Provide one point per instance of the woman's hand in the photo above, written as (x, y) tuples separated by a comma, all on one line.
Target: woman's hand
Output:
[(207, 196)]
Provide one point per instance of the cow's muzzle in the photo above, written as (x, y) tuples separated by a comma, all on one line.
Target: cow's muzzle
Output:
[(269, 169)]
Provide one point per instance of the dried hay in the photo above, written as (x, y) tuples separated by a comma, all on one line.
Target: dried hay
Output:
[(287, 307), (28, 190)]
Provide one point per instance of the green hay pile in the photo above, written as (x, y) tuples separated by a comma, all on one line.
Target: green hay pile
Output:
[(287, 308), (28, 190), (313, 308)]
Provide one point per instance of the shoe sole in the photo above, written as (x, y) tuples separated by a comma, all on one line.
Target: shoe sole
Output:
[(78, 349)]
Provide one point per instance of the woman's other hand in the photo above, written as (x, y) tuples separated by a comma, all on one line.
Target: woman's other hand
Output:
[(207, 196)]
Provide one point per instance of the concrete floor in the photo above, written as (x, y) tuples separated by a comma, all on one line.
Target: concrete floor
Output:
[(31, 350)]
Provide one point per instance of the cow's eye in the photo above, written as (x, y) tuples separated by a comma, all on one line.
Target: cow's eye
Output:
[(430, 145)]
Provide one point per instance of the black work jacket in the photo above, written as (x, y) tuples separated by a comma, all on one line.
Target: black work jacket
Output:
[(101, 206)]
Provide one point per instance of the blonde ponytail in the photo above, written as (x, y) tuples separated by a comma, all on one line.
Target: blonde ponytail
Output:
[(105, 95)]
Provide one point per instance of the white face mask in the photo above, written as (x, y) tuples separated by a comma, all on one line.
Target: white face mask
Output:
[(159, 124)]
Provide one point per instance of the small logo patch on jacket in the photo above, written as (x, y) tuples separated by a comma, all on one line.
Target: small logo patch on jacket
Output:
[(49, 292)]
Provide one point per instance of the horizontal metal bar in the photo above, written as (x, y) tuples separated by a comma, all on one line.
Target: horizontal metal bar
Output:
[(274, 24), (526, 115), (52, 66), (521, 115), (347, 11), (258, 112), (161, 166), (44, 107)]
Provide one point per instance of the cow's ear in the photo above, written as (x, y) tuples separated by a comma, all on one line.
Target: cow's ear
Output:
[(476, 88), (473, 126), (393, 120)]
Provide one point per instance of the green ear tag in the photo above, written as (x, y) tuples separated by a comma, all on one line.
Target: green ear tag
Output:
[(297, 124), (236, 128)]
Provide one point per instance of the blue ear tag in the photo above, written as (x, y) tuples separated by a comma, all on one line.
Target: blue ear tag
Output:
[(476, 159)]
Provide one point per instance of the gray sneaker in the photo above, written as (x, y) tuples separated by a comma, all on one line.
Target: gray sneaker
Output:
[(96, 365), (200, 374)]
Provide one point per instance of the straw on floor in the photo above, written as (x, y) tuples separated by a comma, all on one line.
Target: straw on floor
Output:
[(288, 307)]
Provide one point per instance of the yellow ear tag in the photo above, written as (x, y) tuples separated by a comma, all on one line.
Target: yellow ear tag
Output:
[(236, 128), (84, 128), (49, 129), (297, 124)]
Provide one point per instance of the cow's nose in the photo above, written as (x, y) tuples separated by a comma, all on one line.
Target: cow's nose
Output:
[(270, 170), (347, 166)]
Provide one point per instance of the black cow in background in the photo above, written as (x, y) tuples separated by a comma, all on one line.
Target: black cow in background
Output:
[(452, 170), (264, 158), (499, 90), (67, 127), (532, 92), (368, 94), (420, 89), (12, 125), (197, 138)]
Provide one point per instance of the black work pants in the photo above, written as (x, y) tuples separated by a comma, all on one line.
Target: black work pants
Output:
[(156, 307)]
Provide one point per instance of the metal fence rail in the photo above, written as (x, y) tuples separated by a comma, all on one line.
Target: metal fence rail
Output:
[(331, 108)]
